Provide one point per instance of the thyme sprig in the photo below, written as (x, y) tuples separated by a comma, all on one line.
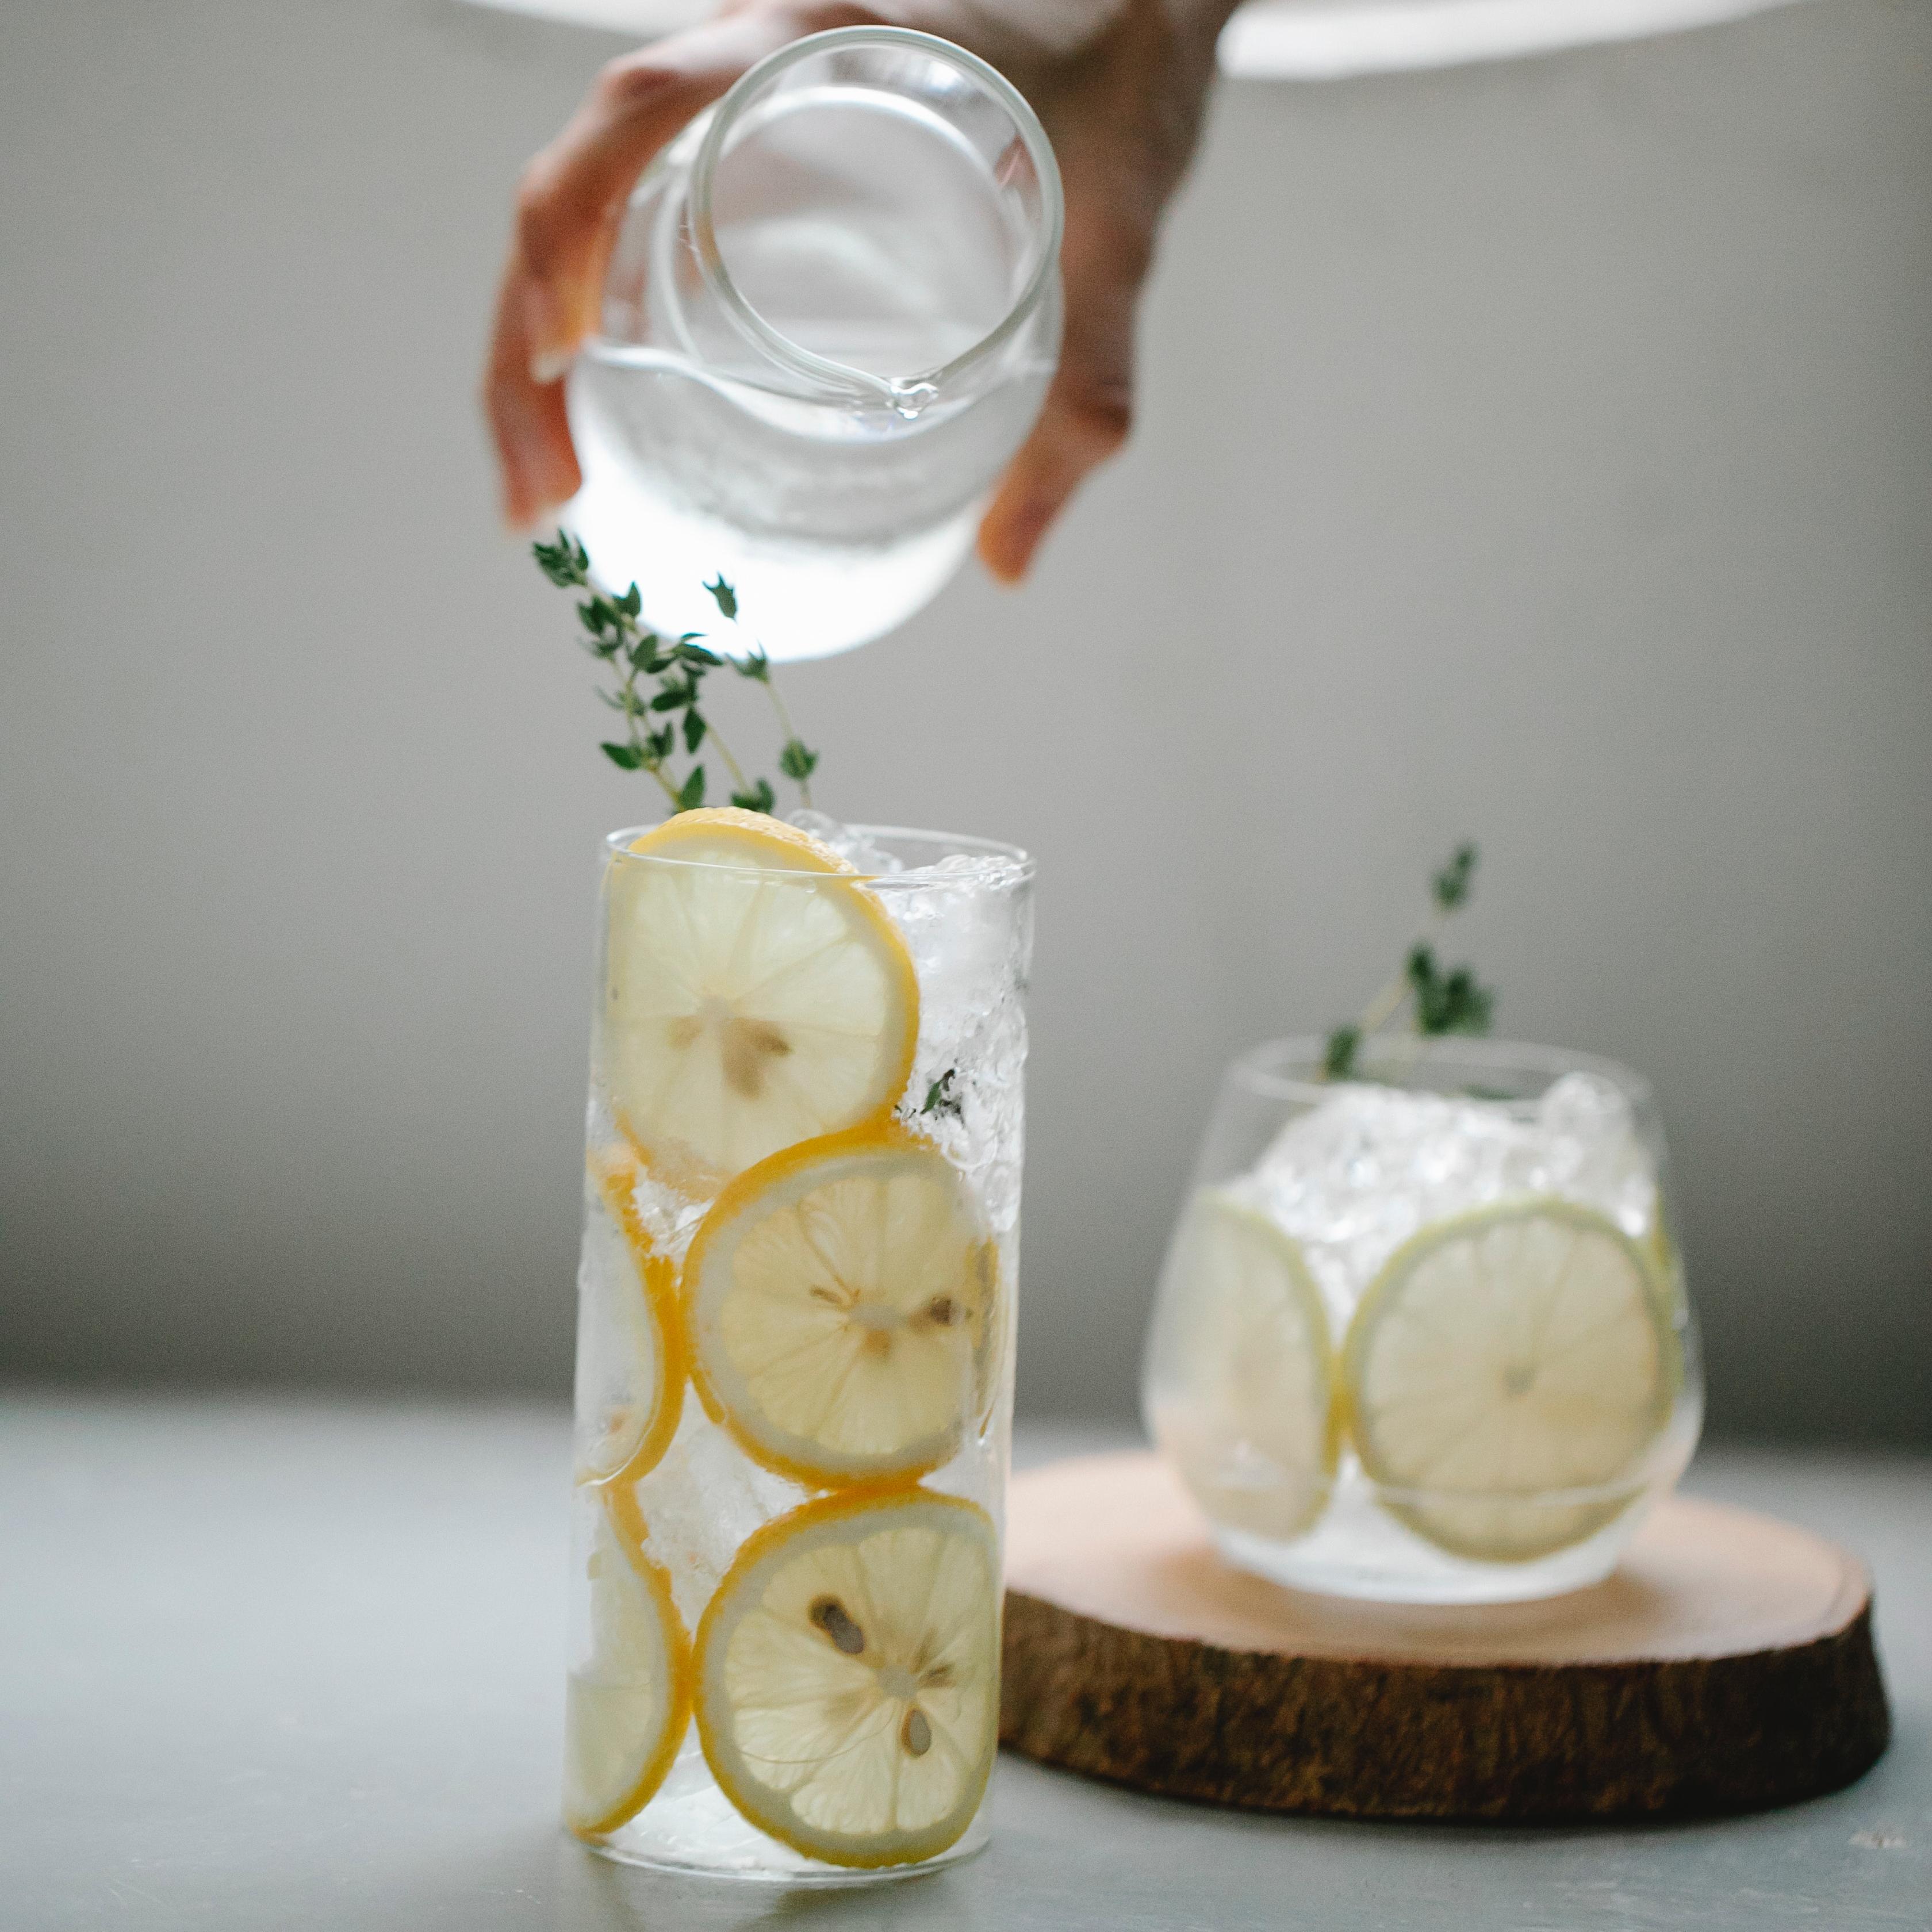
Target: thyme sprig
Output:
[(941, 1098), (659, 721), (1438, 1000)]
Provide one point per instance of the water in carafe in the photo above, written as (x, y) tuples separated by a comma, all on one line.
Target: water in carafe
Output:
[(827, 324)]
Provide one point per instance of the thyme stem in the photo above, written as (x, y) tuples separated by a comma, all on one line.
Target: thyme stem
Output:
[(1451, 1001), (617, 638)]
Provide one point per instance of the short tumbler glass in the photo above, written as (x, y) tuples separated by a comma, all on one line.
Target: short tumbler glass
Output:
[(1424, 1336), (794, 1370)]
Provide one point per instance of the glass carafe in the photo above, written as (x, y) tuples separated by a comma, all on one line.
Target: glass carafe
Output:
[(830, 316)]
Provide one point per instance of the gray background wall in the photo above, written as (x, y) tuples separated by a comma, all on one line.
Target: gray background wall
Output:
[(1541, 451)]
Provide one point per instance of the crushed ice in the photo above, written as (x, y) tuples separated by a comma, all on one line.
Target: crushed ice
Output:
[(851, 843), (969, 931), (1357, 1174)]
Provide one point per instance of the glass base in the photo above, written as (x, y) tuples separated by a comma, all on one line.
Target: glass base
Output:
[(1360, 1548), (1446, 1580), (804, 1874)]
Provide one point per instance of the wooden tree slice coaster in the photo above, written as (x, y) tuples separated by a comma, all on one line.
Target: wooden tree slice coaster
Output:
[(1727, 1666)]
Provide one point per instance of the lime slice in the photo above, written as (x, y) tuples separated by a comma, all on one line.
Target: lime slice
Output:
[(1241, 1397), (841, 1298), (1503, 1361), (756, 995), (629, 1702), (848, 1676)]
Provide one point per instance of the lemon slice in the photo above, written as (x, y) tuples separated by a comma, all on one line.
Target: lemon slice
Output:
[(848, 1676), (993, 1356), (629, 1702), (630, 1357), (756, 995), (1240, 1391), (841, 1299), (1502, 1359), (1662, 1248)]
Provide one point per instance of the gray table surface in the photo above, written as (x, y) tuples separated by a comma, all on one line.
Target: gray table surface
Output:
[(270, 1664)]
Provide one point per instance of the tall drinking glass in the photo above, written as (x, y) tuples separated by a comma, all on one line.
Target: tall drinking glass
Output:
[(1426, 1337), (794, 1371), (829, 318)]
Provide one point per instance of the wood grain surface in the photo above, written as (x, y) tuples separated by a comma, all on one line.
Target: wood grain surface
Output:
[(1727, 1666)]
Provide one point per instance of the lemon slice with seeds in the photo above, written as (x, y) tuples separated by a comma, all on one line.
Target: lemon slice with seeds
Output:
[(756, 995), (630, 1357), (841, 1298), (1503, 1361), (848, 1676), (629, 1702), (1241, 1394)]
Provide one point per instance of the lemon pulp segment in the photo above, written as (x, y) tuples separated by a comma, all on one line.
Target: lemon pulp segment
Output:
[(841, 1301), (1242, 1397), (1502, 1359), (628, 1703), (756, 995), (848, 1676)]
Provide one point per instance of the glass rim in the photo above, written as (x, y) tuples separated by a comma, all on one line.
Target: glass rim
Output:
[(1261, 1069), (780, 347), (1021, 863)]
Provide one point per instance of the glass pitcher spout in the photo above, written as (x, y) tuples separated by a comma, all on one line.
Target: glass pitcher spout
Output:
[(830, 318)]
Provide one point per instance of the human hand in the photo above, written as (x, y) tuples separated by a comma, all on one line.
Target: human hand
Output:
[(1120, 88)]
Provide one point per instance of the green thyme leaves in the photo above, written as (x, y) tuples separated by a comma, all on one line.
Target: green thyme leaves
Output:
[(669, 712), (1438, 999), (941, 1098)]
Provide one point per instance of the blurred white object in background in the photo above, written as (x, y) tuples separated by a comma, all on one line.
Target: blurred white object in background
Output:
[(1316, 40), (647, 18), (1325, 40)]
